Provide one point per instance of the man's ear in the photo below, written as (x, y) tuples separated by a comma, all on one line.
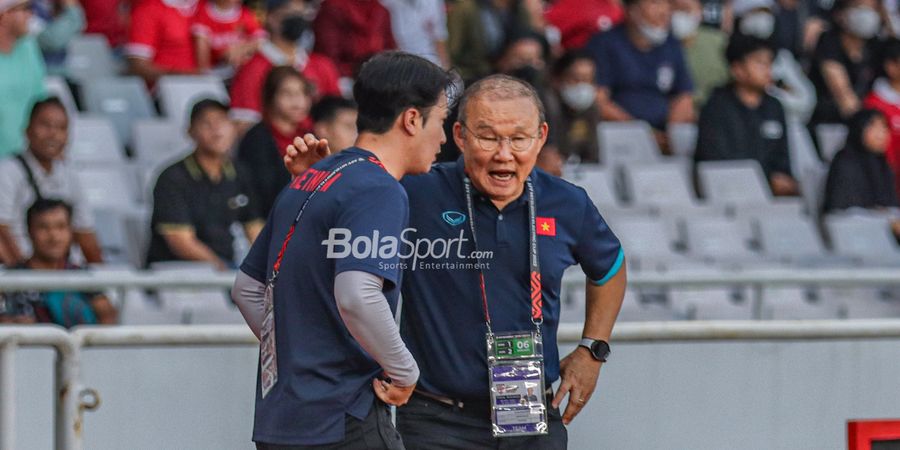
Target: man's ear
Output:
[(457, 135), (410, 121)]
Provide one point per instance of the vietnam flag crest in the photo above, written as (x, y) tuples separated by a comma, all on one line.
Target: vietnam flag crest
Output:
[(546, 226)]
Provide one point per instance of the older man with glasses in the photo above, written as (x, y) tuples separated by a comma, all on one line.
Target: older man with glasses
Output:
[(488, 241)]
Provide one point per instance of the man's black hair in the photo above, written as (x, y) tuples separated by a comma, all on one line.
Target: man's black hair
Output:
[(46, 103), (329, 107), (206, 104), (43, 205), (391, 82), (568, 59), (741, 46)]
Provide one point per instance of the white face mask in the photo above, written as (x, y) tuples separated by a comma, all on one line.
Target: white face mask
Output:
[(656, 35), (759, 24), (863, 22), (579, 96), (684, 24)]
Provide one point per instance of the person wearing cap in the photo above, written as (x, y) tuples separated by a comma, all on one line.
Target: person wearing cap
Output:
[(21, 74), (742, 121), (288, 23), (198, 199), (790, 85), (160, 42), (492, 237), (331, 356), (643, 75)]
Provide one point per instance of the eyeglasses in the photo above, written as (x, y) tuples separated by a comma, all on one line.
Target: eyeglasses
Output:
[(516, 143)]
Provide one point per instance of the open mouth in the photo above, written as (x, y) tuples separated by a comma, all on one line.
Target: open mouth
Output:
[(502, 175)]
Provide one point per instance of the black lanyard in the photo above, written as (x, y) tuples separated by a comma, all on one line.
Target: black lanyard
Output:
[(537, 299), (287, 239)]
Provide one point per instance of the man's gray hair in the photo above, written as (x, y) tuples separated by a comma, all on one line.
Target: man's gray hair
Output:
[(500, 87)]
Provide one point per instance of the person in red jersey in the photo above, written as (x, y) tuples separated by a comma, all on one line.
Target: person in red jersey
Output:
[(160, 39), (226, 34), (350, 31), (578, 20)]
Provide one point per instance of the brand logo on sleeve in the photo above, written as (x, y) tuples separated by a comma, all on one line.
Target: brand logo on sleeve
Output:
[(454, 218)]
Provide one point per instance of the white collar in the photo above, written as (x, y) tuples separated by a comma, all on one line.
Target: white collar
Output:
[(223, 15), (883, 89), (277, 58)]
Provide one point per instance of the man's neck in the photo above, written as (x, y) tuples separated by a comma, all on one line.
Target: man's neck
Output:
[(210, 163), (38, 263), (46, 164), (7, 41), (386, 150), (751, 98), (637, 39), (853, 45)]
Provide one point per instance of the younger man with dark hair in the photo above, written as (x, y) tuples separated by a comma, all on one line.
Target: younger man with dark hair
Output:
[(50, 229), (334, 119), (742, 121), (197, 199)]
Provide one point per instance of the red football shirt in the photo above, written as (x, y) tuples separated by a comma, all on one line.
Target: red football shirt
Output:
[(350, 31), (225, 28), (578, 20), (161, 32), (891, 111), (246, 87), (107, 17)]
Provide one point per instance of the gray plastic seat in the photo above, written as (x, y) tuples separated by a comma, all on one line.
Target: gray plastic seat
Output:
[(865, 236), (660, 184), (108, 186), (719, 239), (725, 303), (795, 303), (790, 238), (157, 140), (831, 137), (57, 87), (600, 185), (94, 140), (683, 139), (739, 182), (178, 93), (623, 143), (122, 100), (89, 57)]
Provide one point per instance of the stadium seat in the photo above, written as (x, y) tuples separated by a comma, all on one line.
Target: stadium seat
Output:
[(683, 139), (88, 57), (57, 87), (807, 168), (155, 141), (720, 239), (865, 236), (791, 239), (178, 93), (600, 184), (725, 303), (796, 303), (660, 184), (831, 137), (94, 140), (739, 182), (627, 142), (647, 240), (108, 186), (190, 299), (123, 100)]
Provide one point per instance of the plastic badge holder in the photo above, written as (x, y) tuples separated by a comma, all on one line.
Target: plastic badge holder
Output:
[(518, 402)]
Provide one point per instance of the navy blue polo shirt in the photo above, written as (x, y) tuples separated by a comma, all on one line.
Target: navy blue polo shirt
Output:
[(443, 321), (323, 373), (641, 82)]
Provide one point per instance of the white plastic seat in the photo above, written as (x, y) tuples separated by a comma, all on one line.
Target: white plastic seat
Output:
[(661, 184), (599, 184), (739, 182), (831, 137), (795, 303), (156, 140), (725, 303), (190, 299), (178, 93), (94, 140), (89, 57), (864, 236), (624, 143), (123, 100), (790, 238), (719, 239), (647, 239), (108, 186), (683, 139)]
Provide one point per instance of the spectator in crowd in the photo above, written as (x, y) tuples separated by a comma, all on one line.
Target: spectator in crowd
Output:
[(40, 172), (50, 230), (790, 15), (109, 18), (351, 31), (885, 97), (704, 49), (525, 57), (572, 111), (198, 199), (21, 74), (159, 42), (226, 35), (717, 14), (334, 119), (478, 32), (756, 18), (642, 73), (742, 121), (287, 21), (842, 65), (420, 28), (859, 176), (57, 22), (578, 20), (286, 104)]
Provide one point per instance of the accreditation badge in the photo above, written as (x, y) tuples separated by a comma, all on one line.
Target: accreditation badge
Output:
[(516, 369), (268, 358)]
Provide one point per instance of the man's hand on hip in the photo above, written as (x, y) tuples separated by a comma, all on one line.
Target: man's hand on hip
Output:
[(579, 372), (391, 393)]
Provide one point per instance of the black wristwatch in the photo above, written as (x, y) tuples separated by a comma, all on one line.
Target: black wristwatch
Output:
[(599, 349)]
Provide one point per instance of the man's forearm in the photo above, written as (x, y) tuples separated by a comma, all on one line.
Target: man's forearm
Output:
[(90, 248), (189, 248), (10, 249), (602, 306)]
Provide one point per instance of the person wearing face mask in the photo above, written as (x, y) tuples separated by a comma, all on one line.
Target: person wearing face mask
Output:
[(643, 74), (842, 65), (524, 57), (572, 110), (756, 18), (288, 22), (704, 48), (742, 121), (859, 176)]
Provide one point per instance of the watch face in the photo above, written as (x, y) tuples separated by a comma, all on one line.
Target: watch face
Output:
[(600, 350)]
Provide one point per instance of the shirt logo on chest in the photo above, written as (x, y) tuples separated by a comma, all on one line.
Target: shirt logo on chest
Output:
[(454, 218)]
